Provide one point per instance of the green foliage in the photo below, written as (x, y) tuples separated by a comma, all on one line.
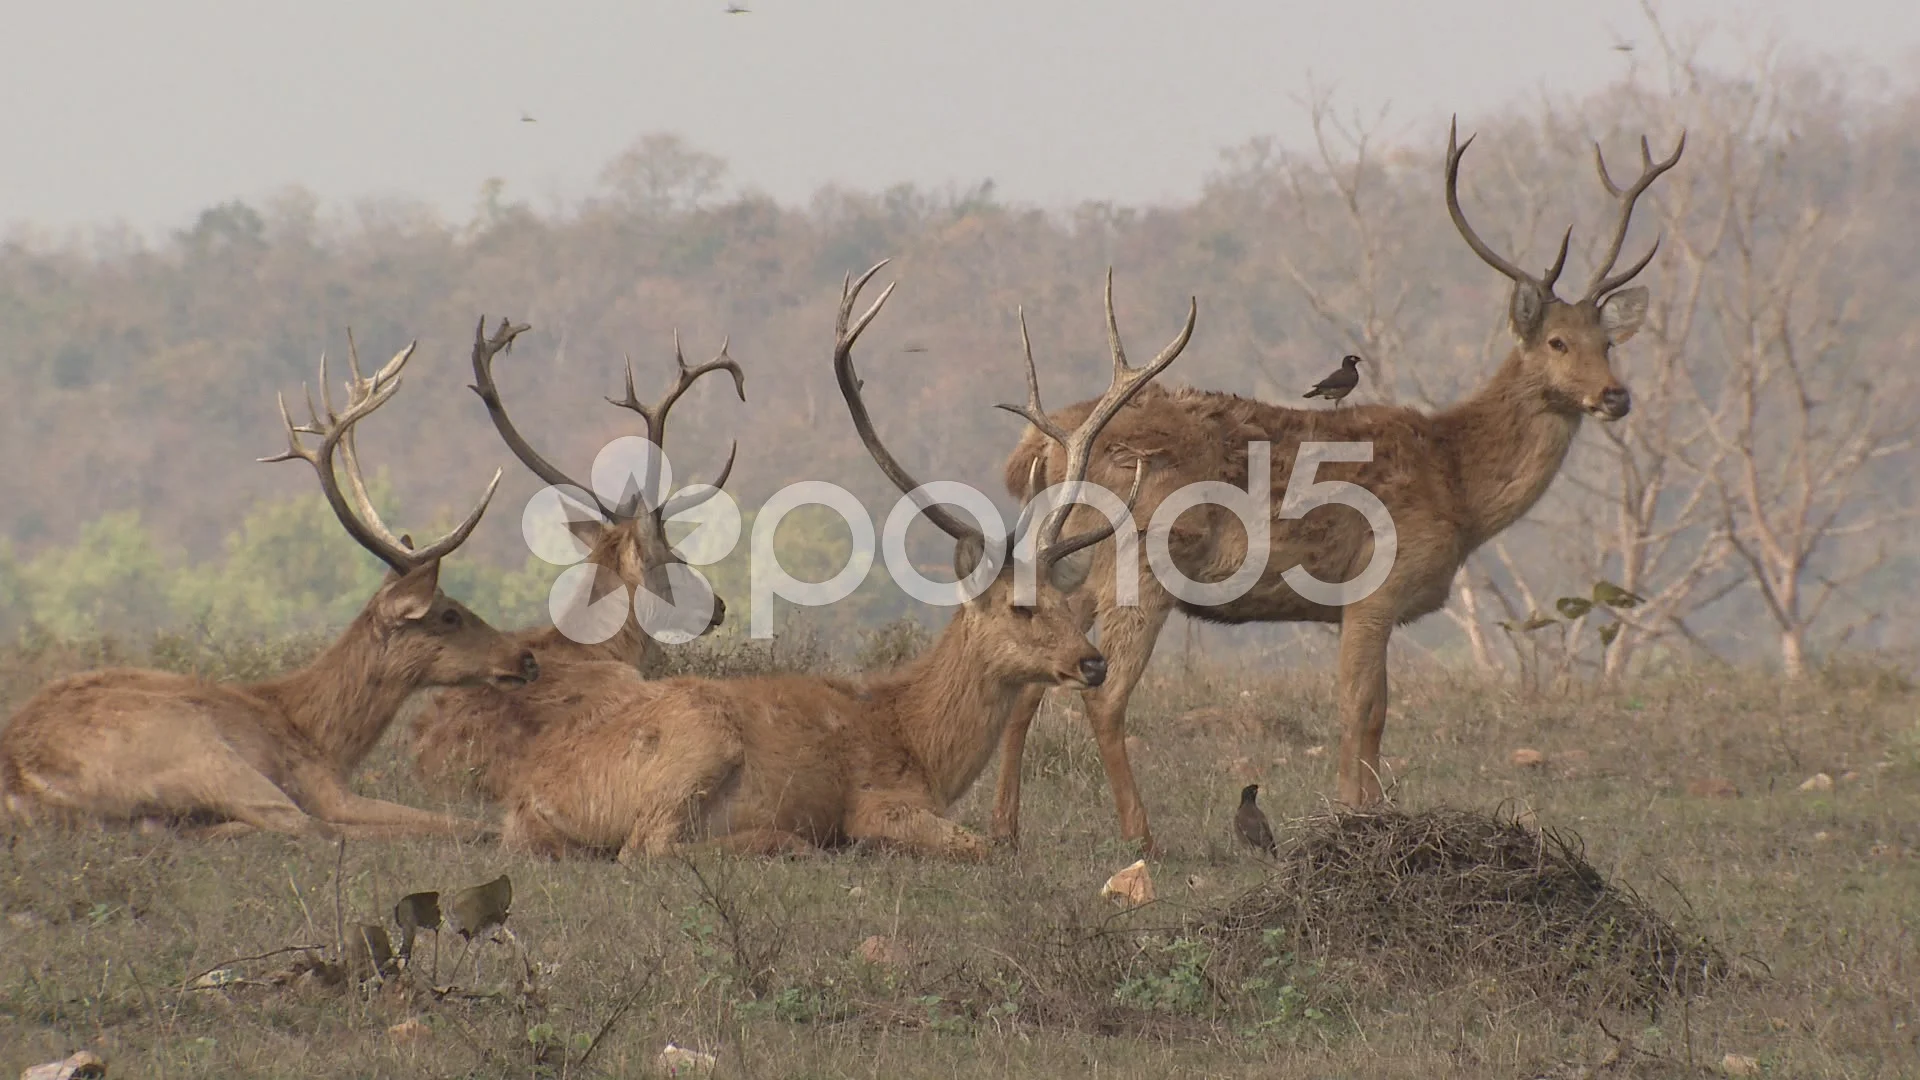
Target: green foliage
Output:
[(287, 565), (114, 574)]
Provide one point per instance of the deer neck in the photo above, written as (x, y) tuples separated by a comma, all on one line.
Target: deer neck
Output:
[(1509, 441), (949, 709), (632, 645), (344, 701)]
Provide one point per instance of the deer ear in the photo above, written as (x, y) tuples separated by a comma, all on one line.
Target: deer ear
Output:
[(409, 596), (1070, 572), (966, 555), (1525, 310), (1623, 312)]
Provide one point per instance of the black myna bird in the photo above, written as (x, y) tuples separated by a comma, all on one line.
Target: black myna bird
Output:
[(1250, 825), (1340, 383)]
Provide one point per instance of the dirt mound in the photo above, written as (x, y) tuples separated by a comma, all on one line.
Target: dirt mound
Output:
[(1440, 897)]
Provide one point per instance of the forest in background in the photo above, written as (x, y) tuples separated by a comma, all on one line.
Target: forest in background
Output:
[(1759, 498)]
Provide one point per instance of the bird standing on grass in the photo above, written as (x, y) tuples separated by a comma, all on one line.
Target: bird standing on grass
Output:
[(1340, 383), (1250, 825)]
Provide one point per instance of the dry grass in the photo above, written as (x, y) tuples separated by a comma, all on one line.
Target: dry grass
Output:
[(1444, 940)]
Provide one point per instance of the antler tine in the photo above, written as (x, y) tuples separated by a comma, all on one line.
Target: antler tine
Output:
[(1604, 280), (847, 330), (688, 500), (484, 350), (1033, 411), (1127, 382), (444, 546), (358, 390), (1455, 150), (332, 431), (656, 415)]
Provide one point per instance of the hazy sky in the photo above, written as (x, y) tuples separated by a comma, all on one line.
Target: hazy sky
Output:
[(145, 112)]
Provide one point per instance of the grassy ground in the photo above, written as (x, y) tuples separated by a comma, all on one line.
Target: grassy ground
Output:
[(1017, 968)]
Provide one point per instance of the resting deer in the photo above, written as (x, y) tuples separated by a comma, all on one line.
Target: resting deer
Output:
[(1451, 480), (460, 733), (133, 745), (804, 762)]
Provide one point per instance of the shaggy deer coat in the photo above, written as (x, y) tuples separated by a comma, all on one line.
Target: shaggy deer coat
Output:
[(1450, 479), (132, 745)]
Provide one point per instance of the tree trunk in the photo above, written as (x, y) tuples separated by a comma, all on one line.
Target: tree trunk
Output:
[(1793, 661)]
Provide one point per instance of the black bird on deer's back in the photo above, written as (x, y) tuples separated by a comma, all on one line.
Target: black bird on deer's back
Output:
[(1340, 383), (1250, 824)]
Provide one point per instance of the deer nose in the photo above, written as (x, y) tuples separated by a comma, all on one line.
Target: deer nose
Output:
[(529, 667), (1093, 670), (1617, 401), (719, 611)]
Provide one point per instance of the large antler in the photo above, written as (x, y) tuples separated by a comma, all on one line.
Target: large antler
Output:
[(656, 416), (1624, 198), (846, 331), (1456, 148), (353, 506), (485, 349), (1127, 381)]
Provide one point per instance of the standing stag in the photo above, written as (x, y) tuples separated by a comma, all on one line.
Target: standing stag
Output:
[(460, 734), (1451, 480), (133, 745), (798, 762)]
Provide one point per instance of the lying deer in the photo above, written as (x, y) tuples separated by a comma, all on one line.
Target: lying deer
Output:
[(461, 735), (134, 745), (804, 762), (1451, 480)]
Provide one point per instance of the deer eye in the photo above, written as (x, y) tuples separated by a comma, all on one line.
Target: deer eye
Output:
[(1025, 611), (1558, 345), (450, 618)]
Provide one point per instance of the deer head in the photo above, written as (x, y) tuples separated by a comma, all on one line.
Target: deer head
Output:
[(423, 634), (1567, 346), (627, 537), (1042, 642)]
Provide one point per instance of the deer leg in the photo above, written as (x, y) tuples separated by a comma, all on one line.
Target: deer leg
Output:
[(327, 797), (1013, 747), (218, 779), (1363, 704), (688, 769), (908, 826), (1127, 637)]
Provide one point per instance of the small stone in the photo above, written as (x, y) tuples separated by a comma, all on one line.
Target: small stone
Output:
[(856, 892), (882, 952), (679, 1061), (1527, 758), (1822, 836), (412, 1029), (1712, 787), (1849, 776), (1817, 782), (1314, 751), (1740, 1065), (1132, 886), (81, 1066)]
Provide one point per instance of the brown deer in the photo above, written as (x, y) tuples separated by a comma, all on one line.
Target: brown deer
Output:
[(461, 733), (1450, 480), (139, 746), (806, 762)]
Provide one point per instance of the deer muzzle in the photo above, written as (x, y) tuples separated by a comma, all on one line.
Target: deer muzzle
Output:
[(1615, 402), (527, 670)]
